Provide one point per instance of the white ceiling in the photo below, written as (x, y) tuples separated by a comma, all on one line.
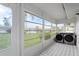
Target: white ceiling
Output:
[(56, 11), (71, 9)]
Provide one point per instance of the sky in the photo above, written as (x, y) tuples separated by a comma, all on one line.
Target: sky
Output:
[(35, 19), (5, 12)]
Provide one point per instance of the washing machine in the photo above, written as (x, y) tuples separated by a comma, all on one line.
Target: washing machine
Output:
[(59, 38), (70, 38)]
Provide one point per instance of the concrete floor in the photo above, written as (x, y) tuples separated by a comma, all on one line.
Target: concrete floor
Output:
[(59, 49)]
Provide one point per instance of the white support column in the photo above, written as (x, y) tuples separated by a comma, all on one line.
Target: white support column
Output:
[(77, 29)]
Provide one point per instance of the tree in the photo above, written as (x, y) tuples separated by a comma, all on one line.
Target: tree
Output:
[(6, 23)]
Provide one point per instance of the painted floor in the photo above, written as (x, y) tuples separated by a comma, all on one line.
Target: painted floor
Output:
[(59, 49)]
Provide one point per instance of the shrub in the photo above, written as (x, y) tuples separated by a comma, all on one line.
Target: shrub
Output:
[(47, 35)]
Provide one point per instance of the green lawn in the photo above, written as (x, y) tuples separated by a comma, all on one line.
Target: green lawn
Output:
[(31, 39), (4, 40)]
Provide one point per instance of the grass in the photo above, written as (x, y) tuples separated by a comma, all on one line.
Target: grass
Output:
[(32, 42), (31, 39), (4, 40)]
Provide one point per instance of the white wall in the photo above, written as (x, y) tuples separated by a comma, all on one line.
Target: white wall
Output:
[(77, 30)]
